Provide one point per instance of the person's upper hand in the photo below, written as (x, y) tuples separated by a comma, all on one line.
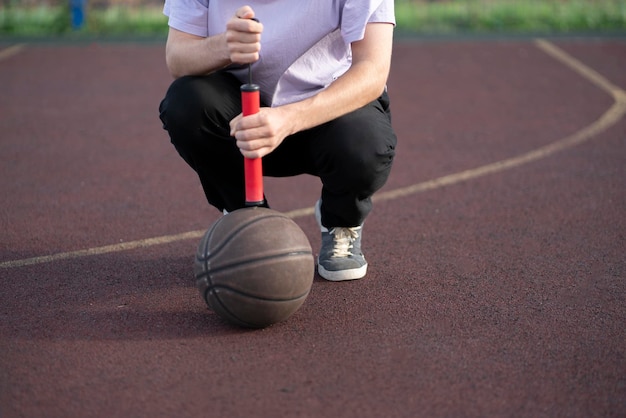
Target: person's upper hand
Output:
[(188, 54), (243, 36)]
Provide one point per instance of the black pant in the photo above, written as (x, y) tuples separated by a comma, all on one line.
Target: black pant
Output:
[(352, 155)]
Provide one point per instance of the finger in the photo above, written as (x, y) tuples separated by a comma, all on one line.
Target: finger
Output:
[(244, 25), (250, 122), (243, 38), (243, 125), (242, 59), (233, 124), (250, 138), (244, 48), (257, 153), (245, 12)]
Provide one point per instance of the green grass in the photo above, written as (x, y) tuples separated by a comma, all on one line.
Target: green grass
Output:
[(517, 16), (414, 16), (51, 21)]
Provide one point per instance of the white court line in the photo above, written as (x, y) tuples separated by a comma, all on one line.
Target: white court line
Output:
[(10, 51), (613, 115)]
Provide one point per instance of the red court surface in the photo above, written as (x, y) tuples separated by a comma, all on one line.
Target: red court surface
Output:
[(497, 250)]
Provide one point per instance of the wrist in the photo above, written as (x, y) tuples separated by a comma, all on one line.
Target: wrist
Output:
[(295, 117), (219, 46)]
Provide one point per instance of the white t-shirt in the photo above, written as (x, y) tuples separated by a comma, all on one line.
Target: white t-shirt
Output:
[(305, 45)]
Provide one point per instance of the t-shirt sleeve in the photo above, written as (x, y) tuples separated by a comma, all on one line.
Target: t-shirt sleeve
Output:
[(358, 13), (190, 16)]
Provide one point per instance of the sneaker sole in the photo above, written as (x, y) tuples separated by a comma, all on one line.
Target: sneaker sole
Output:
[(342, 275)]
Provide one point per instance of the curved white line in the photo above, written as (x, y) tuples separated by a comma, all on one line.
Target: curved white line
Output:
[(10, 51), (615, 113)]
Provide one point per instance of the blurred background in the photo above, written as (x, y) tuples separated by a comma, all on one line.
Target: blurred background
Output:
[(48, 18)]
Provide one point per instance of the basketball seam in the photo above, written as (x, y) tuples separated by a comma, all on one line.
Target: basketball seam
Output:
[(232, 235), (205, 260), (236, 318), (238, 292), (264, 258)]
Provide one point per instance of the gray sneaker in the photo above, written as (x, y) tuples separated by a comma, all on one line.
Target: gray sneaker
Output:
[(340, 256)]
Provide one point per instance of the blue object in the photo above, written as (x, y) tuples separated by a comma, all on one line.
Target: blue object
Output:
[(77, 10)]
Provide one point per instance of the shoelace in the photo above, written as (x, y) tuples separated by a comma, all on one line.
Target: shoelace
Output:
[(343, 239)]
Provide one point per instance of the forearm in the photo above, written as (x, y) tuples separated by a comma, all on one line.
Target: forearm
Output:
[(191, 55), (360, 85)]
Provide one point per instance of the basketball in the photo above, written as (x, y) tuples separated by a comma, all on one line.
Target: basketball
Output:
[(254, 267)]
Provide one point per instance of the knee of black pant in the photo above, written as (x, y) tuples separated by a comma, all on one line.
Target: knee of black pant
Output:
[(363, 154), (176, 112), (201, 106), (370, 169), (182, 107)]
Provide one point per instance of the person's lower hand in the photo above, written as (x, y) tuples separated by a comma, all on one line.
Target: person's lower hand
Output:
[(259, 134)]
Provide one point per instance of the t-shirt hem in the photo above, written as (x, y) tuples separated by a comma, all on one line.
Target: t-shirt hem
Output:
[(187, 27), (355, 36)]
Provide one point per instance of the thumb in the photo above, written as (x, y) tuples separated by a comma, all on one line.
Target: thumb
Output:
[(245, 12)]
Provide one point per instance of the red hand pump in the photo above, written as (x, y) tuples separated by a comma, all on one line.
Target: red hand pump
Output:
[(253, 168)]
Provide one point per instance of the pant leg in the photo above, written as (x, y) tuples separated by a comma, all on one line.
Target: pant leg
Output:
[(196, 112), (352, 155)]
